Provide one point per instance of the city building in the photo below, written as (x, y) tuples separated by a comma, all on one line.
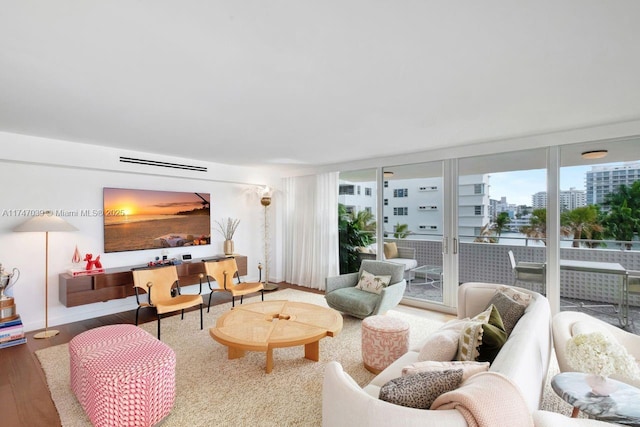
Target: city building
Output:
[(572, 198), (569, 199), (539, 200), (357, 196), (602, 180), (417, 202)]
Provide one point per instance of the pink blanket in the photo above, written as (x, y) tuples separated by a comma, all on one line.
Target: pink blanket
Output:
[(488, 399)]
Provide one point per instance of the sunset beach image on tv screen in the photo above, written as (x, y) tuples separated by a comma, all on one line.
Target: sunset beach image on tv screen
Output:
[(148, 219)]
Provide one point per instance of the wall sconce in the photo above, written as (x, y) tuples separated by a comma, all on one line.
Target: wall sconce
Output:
[(387, 174), (594, 154)]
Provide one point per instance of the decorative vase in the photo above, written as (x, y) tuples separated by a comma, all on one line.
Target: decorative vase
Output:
[(601, 385), (228, 247)]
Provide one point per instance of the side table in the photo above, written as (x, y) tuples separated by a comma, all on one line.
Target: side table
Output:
[(620, 407)]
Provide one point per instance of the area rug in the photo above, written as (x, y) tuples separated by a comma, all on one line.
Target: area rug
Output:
[(215, 391)]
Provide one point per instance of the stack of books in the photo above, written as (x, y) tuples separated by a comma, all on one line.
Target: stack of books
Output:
[(76, 272), (12, 333)]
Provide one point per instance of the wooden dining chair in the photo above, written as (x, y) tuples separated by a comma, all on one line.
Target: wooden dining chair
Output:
[(158, 283)]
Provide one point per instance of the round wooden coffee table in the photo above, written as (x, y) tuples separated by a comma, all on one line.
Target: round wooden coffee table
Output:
[(263, 326)]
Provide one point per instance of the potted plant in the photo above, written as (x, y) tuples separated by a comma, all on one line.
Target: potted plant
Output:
[(227, 229)]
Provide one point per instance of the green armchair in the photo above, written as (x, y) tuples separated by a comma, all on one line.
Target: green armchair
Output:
[(342, 295)]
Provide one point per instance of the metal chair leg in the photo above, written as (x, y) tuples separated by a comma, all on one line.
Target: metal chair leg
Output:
[(233, 301), (137, 311), (158, 325), (209, 305), (182, 314), (201, 324), (241, 296), (262, 292)]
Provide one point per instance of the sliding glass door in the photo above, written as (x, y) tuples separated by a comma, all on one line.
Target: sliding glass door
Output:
[(357, 209), (476, 218), (412, 217), (502, 203), (600, 219)]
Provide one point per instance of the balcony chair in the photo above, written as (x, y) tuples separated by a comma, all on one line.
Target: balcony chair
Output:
[(392, 253), (567, 323), (343, 295), (529, 272), (157, 283), (223, 272)]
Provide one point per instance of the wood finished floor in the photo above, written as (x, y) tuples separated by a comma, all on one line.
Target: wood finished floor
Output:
[(24, 396)]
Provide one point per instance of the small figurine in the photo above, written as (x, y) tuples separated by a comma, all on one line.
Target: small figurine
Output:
[(76, 256), (92, 263)]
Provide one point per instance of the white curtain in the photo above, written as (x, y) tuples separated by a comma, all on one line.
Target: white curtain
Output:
[(311, 229)]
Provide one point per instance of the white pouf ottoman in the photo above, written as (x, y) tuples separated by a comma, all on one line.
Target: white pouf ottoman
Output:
[(384, 339)]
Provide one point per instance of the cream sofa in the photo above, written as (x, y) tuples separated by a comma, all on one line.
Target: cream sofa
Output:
[(524, 359)]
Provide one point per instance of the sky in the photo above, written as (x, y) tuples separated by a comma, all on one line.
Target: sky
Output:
[(519, 186)]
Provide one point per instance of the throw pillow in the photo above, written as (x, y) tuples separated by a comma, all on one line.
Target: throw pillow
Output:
[(363, 250), (468, 368), (390, 250), (510, 310), (420, 390), (493, 337), (370, 283), (442, 345), (516, 295), (482, 337)]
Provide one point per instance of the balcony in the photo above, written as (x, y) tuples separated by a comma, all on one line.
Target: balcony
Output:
[(483, 262)]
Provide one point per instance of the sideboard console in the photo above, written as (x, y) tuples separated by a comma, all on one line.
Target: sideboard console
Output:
[(117, 282)]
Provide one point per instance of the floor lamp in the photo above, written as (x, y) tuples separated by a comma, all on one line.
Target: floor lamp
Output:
[(46, 223), (265, 201)]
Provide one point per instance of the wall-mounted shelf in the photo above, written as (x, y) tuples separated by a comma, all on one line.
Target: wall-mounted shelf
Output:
[(117, 283)]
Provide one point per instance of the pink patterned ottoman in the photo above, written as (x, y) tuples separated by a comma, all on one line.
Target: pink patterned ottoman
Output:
[(384, 339), (122, 376)]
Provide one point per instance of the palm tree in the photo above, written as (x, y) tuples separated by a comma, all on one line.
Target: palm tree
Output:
[(486, 235), (363, 221), (622, 222), (401, 231), (538, 228), (350, 237), (582, 221), (501, 223)]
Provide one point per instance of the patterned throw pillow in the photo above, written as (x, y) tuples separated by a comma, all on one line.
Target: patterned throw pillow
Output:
[(420, 390), (370, 283), (442, 345), (468, 368), (510, 310), (482, 337), (516, 295)]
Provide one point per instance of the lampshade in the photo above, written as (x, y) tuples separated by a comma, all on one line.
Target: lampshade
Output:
[(46, 222), (387, 174)]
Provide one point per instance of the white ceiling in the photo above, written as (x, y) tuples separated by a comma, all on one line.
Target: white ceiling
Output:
[(313, 82)]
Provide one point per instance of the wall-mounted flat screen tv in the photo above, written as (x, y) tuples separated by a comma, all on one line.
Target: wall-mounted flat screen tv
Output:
[(150, 219)]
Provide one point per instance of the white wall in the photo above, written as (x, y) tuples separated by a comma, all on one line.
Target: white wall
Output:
[(44, 174)]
